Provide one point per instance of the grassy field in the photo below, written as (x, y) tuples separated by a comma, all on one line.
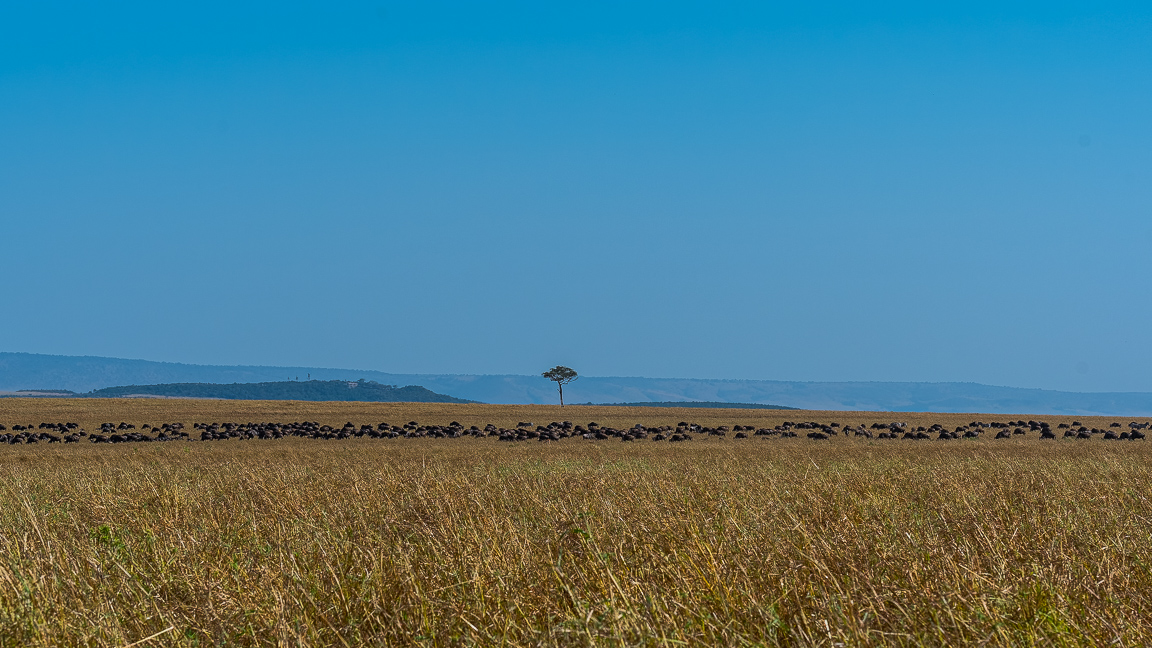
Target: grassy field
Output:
[(760, 541)]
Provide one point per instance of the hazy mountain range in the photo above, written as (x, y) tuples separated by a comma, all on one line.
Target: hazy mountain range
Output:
[(86, 373)]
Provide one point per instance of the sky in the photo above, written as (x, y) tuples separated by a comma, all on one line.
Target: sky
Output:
[(842, 191)]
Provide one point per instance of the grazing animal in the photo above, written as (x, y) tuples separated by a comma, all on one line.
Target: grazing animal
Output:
[(555, 431)]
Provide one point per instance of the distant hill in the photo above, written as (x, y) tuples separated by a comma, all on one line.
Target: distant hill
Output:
[(85, 373), (38, 393), (708, 404), (364, 391)]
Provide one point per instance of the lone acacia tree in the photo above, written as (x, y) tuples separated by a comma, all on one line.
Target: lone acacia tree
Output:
[(560, 375)]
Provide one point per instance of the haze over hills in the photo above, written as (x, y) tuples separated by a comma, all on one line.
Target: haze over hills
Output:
[(363, 391), (86, 373)]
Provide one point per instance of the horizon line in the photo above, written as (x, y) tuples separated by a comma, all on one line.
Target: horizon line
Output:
[(497, 375)]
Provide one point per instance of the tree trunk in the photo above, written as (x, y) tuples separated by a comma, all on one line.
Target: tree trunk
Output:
[(561, 388)]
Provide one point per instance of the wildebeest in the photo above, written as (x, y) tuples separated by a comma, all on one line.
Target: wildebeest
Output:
[(557, 431)]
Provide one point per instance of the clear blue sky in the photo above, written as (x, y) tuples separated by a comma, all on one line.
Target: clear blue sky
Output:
[(839, 192)]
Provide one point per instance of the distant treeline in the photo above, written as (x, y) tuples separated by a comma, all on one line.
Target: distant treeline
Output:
[(307, 390), (708, 404)]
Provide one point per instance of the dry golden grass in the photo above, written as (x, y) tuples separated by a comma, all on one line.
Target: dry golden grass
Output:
[(471, 541)]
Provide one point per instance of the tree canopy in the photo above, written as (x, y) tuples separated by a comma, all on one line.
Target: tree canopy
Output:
[(560, 375)]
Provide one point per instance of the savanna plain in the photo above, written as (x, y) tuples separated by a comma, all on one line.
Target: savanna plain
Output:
[(761, 541)]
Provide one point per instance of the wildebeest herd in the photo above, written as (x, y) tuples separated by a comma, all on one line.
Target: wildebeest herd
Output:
[(73, 433), (556, 431)]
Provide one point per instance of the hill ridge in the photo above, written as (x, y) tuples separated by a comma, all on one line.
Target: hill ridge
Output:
[(86, 373), (367, 391)]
